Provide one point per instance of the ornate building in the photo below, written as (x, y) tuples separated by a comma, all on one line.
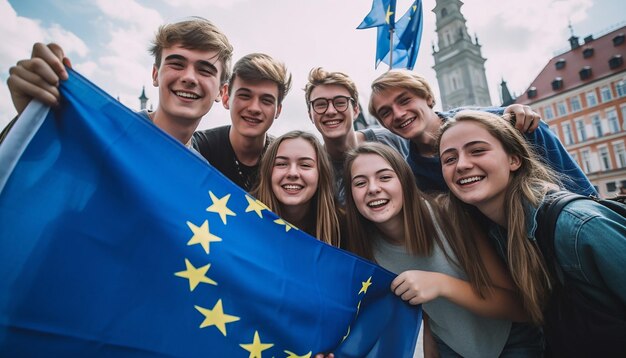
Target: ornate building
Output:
[(459, 64), (581, 94)]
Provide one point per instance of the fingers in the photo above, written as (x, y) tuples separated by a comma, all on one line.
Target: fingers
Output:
[(526, 120), (52, 55)]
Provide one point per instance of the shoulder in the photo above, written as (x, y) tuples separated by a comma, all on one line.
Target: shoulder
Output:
[(212, 134), (586, 219)]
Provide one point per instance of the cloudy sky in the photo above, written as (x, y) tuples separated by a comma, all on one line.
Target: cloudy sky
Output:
[(107, 40)]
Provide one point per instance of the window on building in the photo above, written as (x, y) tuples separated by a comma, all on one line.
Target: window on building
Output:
[(611, 116), (561, 108), (586, 155), (620, 88), (605, 161), (606, 93), (444, 12), (620, 154), (592, 100), (532, 92), (580, 130), (574, 103), (597, 126), (611, 186), (548, 113), (557, 84), (560, 64), (588, 52), (567, 133), (585, 73), (618, 40), (624, 118), (616, 61)]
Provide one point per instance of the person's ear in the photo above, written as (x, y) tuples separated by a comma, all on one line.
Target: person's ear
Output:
[(515, 162), (223, 90), (155, 76), (225, 98), (278, 109)]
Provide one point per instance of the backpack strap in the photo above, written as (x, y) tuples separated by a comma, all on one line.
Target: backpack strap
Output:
[(547, 217)]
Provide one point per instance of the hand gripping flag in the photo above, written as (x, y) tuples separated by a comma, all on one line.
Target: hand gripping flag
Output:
[(117, 241)]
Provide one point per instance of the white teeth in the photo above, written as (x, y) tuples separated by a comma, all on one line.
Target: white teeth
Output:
[(187, 95), (470, 180), (332, 123), (376, 203), (402, 125), (292, 187)]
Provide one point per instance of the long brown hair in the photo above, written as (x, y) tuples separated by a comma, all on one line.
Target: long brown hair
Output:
[(527, 185), (420, 235), (324, 219)]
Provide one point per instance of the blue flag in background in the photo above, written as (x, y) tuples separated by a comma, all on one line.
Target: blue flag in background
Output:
[(407, 39), (383, 13), (116, 240)]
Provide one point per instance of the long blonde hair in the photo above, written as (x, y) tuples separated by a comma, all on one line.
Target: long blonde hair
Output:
[(527, 185), (324, 219), (420, 235)]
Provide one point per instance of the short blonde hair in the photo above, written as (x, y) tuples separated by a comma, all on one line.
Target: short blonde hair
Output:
[(259, 67), (318, 77), (405, 79), (194, 34)]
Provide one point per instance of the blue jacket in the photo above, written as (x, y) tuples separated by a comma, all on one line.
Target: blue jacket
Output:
[(427, 170), (590, 246)]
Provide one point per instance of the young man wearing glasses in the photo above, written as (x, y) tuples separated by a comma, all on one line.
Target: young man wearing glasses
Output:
[(332, 100)]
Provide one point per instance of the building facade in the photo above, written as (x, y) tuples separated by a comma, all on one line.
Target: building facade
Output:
[(459, 64), (581, 94)]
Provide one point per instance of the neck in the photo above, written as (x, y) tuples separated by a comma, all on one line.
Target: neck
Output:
[(337, 147), (296, 215), (427, 140), (180, 128), (247, 149), (393, 232), (495, 212)]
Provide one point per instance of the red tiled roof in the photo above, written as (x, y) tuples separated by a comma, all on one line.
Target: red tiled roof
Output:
[(603, 51)]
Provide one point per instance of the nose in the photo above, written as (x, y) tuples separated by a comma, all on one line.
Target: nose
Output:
[(189, 76), (398, 112), (292, 171), (331, 110), (463, 163), (373, 188), (254, 106)]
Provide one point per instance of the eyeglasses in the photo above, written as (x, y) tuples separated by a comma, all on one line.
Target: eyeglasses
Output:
[(320, 105)]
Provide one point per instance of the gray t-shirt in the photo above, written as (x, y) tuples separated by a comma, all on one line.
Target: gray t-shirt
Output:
[(467, 333)]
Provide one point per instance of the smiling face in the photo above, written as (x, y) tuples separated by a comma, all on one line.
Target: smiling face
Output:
[(333, 123), (295, 173), (475, 166), (377, 191), (402, 112), (188, 81), (253, 106)]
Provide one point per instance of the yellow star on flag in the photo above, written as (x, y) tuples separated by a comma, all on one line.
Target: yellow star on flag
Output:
[(389, 13), (216, 317), (195, 275), (365, 285), (219, 206), (256, 206), (201, 235), (256, 347), (288, 226), (293, 355)]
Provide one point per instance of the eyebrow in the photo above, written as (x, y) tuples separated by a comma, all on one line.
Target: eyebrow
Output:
[(395, 99), (206, 63), (299, 158), (468, 144), (263, 95), (377, 172)]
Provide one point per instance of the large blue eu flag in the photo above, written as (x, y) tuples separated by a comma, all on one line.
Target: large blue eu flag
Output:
[(117, 241)]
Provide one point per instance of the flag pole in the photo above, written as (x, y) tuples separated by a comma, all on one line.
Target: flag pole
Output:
[(390, 47)]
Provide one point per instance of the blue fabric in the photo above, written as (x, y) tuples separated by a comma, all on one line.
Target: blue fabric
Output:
[(429, 178), (407, 39), (378, 14), (104, 221)]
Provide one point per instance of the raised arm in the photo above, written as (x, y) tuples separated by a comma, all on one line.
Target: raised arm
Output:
[(38, 77)]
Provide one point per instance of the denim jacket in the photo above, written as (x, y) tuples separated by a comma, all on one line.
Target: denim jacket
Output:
[(590, 245)]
